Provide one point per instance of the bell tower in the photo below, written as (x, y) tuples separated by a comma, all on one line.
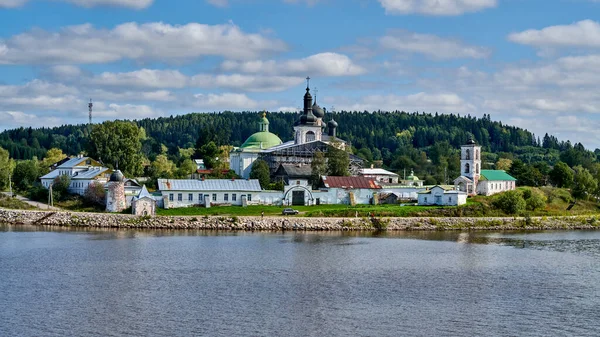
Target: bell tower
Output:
[(470, 162)]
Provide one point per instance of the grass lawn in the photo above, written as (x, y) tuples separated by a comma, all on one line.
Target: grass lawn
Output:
[(13, 203)]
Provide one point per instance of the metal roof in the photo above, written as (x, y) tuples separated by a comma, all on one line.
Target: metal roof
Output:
[(143, 194), (496, 175), (350, 182), (293, 170), (241, 185), (377, 171), (91, 173), (72, 162)]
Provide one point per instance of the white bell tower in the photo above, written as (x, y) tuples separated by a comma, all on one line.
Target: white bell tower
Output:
[(470, 161)]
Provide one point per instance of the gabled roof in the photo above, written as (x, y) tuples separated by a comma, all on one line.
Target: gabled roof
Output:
[(239, 185), (349, 182), (294, 171), (463, 178), (496, 175), (72, 162), (90, 173), (446, 188), (377, 171), (144, 194)]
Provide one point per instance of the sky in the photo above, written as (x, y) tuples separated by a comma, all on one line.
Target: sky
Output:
[(528, 63)]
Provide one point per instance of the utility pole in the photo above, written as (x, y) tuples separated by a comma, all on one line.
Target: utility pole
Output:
[(50, 197), (9, 184), (90, 106)]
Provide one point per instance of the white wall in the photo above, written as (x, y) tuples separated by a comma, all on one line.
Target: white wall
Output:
[(487, 187), (439, 196)]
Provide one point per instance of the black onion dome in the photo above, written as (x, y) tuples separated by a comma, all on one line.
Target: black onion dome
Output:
[(332, 124), (318, 111), (308, 119), (470, 141), (117, 176)]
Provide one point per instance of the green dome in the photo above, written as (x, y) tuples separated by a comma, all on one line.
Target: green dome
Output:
[(261, 140)]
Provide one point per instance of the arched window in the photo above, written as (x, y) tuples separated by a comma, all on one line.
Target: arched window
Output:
[(468, 154), (310, 136), (467, 168), (476, 155), (477, 168)]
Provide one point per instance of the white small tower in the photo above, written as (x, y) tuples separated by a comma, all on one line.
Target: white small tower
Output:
[(308, 127), (470, 163)]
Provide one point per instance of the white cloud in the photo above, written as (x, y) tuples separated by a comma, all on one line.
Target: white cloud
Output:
[(229, 101), (422, 101), (12, 3), (135, 4), (250, 83), (142, 42), (15, 119), (584, 34), (125, 111), (144, 78), (323, 64), (431, 45), (436, 7)]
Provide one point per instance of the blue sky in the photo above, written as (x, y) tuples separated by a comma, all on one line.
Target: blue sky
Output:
[(530, 63)]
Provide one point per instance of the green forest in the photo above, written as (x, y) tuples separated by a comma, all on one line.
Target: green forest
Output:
[(426, 143)]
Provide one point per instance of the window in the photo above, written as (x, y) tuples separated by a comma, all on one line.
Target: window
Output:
[(179, 196), (200, 197), (171, 197), (190, 197), (233, 197), (477, 168), (226, 197), (467, 168), (310, 136), (249, 197), (425, 199), (450, 199), (214, 197), (468, 155)]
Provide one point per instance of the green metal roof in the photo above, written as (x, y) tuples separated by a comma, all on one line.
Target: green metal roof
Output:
[(496, 175), (261, 140)]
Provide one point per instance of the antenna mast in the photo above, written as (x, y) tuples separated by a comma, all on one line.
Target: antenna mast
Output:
[(90, 106)]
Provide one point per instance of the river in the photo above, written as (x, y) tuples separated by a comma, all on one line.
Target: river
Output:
[(202, 283)]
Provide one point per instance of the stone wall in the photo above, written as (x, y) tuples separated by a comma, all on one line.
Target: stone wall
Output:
[(103, 220)]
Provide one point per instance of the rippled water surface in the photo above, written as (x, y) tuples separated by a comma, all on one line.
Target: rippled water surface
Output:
[(165, 283)]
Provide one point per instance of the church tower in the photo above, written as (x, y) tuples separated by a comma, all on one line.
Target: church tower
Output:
[(470, 162), (308, 128)]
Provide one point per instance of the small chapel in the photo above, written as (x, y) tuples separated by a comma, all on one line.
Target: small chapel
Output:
[(473, 180)]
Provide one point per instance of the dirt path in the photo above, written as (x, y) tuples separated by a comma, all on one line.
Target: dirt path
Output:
[(39, 205)]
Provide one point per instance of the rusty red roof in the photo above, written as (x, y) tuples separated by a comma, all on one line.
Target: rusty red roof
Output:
[(350, 182)]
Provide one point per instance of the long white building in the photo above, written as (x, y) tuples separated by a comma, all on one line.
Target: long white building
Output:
[(82, 170)]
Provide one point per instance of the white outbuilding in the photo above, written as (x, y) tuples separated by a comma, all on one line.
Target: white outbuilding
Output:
[(441, 196)]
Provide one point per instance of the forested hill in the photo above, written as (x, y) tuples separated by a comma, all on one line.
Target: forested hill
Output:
[(396, 140)]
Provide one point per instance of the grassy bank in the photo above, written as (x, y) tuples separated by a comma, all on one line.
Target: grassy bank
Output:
[(13, 203), (305, 211)]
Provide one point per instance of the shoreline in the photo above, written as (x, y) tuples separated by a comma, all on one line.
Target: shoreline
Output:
[(257, 223)]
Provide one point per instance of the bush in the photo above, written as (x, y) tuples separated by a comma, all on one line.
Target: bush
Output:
[(534, 199), (510, 202), (95, 194)]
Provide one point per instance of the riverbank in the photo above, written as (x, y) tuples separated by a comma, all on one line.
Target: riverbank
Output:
[(101, 220)]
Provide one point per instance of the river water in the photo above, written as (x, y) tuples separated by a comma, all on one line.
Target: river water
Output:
[(202, 283)]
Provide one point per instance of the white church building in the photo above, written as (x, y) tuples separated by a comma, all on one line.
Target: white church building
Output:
[(474, 180)]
